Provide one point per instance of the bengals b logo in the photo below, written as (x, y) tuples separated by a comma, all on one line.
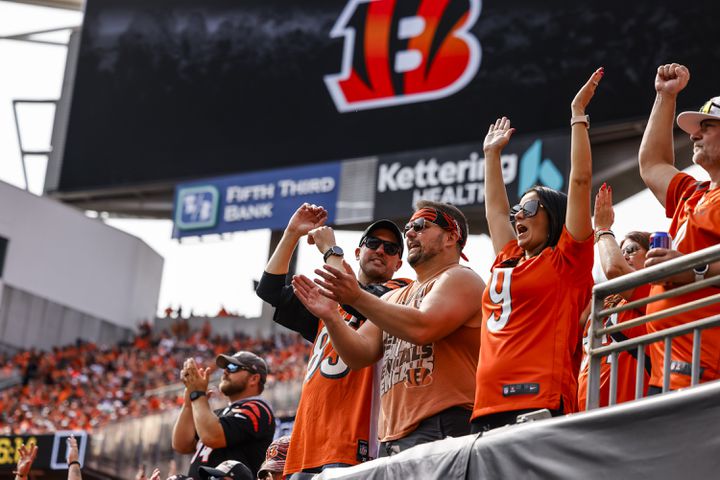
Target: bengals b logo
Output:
[(403, 51)]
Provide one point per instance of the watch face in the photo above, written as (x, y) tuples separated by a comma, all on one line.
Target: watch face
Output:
[(196, 394)]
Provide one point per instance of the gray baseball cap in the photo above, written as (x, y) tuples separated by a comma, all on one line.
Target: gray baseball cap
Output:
[(247, 361)]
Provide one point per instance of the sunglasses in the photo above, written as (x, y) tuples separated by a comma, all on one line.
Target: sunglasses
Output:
[(232, 368), (529, 209), (630, 250), (374, 243), (417, 225)]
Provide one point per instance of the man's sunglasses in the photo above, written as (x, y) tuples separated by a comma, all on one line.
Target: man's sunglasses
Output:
[(417, 225), (529, 209), (374, 243), (232, 368)]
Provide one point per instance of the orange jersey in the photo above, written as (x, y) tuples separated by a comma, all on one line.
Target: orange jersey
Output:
[(337, 416), (530, 328), (627, 362), (695, 213), (419, 381)]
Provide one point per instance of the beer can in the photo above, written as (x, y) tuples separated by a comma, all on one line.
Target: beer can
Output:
[(660, 240)]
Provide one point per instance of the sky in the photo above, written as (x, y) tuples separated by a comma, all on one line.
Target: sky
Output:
[(201, 275)]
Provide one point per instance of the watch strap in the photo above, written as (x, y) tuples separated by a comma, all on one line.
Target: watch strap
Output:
[(195, 394), (580, 119), (334, 250), (700, 272)]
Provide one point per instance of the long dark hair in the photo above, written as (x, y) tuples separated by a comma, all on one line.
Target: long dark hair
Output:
[(555, 204)]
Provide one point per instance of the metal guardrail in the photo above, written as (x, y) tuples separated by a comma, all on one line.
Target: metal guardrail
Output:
[(597, 351)]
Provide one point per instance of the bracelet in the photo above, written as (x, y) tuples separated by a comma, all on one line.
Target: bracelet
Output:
[(600, 233), (74, 462), (17, 474)]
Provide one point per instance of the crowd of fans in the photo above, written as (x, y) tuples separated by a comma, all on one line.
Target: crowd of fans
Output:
[(84, 386)]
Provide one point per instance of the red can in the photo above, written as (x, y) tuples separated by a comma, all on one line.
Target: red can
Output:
[(660, 240)]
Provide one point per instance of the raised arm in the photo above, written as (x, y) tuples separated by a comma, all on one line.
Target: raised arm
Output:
[(357, 348), (612, 261), (454, 300), (657, 153), (305, 218), (577, 219), (497, 207)]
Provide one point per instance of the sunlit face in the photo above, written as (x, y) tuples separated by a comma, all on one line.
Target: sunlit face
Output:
[(234, 383), (532, 232), (377, 265), (634, 253), (706, 144), (425, 244)]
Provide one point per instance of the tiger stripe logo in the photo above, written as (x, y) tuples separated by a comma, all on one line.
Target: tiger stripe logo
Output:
[(398, 52)]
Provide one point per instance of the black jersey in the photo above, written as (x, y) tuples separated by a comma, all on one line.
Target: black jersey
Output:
[(249, 426)]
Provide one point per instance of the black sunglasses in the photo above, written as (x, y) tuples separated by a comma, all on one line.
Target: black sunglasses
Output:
[(417, 225), (373, 243), (529, 209)]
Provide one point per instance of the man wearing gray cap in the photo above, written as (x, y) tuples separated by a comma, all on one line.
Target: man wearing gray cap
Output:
[(241, 431), (694, 208)]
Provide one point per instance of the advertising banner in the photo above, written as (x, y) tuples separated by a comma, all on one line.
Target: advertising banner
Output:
[(262, 84), (457, 174), (52, 449), (252, 201)]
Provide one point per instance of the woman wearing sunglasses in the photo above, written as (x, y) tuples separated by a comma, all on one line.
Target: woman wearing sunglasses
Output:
[(617, 260), (541, 281)]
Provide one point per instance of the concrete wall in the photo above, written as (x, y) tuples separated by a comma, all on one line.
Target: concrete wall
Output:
[(61, 256)]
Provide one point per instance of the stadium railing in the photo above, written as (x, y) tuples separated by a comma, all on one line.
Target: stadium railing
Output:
[(596, 351)]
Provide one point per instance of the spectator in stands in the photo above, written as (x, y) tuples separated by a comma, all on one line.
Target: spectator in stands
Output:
[(227, 470), (346, 429), (694, 208), (26, 457), (541, 281), (240, 431), (85, 386), (427, 333), (274, 464), (617, 260)]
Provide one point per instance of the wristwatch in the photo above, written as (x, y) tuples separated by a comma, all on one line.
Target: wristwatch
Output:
[(580, 119), (195, 394), (335, 250), (700, 272)]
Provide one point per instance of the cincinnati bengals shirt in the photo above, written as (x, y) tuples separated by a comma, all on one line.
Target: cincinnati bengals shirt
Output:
[(530, 328), (419, 381), (336, 419), (249, 426), (695, 213), (627, 360)]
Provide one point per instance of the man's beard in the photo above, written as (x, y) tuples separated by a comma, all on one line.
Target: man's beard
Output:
[(229, 388)]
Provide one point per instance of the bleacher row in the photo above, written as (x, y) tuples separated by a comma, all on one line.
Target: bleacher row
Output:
[(85, 386)]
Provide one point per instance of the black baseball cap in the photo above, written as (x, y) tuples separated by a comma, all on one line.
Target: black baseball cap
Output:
[(247, 360), (228, 468), (388, 225)]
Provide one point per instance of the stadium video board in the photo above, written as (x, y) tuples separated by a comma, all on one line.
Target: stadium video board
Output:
[(176, 90)]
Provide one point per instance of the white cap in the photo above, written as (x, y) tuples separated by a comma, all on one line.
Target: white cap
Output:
[(690, 121)]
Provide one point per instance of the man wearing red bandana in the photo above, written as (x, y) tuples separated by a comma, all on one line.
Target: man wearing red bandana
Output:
[(427, 333)]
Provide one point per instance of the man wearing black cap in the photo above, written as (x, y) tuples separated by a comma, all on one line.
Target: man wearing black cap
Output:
[(229, 469), (336, 421), (241, 431), (694, 208)]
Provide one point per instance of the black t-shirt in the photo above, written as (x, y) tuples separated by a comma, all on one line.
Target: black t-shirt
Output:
[(249, 426)]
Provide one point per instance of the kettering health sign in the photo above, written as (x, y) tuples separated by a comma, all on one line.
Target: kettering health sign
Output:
[(253, 201)]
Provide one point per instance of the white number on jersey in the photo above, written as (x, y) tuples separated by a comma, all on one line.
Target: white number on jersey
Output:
[(496, 323)]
